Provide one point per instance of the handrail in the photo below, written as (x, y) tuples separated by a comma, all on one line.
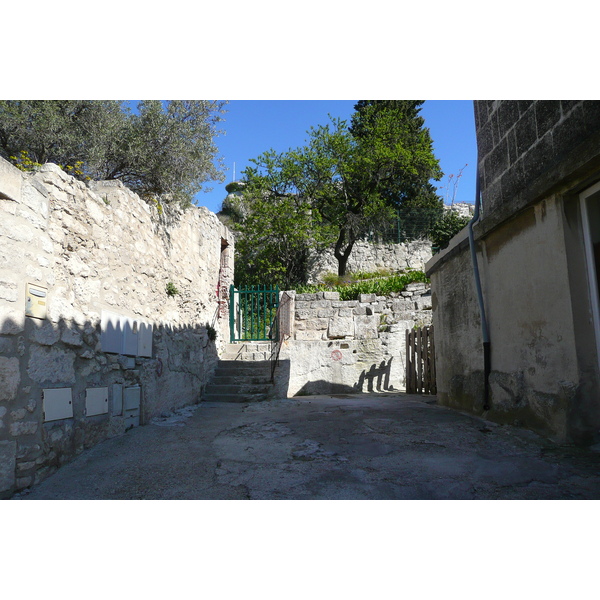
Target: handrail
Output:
[(280, 337)]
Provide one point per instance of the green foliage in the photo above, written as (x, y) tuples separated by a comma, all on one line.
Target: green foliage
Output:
[(277, 235), (446, 228), (211, 332), (381, 287), (171, 289), (166, 149), (342, 185)]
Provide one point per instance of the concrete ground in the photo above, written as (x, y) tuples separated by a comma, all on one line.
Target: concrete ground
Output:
[(325, 447)]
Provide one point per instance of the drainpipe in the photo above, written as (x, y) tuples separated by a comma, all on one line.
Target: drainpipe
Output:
[(484, 326)]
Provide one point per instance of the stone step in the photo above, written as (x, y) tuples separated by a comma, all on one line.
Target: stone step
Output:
[(234, 397), (237, 388), (247, 351), (240, 380), (243, 374), (233, 367)]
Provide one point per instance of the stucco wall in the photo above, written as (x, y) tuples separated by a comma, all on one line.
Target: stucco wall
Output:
[(534, 376), (535, 157), (101, 256)]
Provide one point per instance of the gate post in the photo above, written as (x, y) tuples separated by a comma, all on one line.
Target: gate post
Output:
[(231, 313)]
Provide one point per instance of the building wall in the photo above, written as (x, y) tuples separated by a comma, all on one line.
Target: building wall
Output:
[(108, 331), (535, 158)]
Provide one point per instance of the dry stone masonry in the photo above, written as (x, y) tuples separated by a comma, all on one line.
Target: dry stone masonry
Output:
[(352, 345), (369, 257), (91, 343)]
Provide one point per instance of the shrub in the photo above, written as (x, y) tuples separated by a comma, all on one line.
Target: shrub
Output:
[(171, 289), (446, 228)]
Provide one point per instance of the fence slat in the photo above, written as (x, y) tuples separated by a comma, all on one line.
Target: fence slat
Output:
[(420, 361)]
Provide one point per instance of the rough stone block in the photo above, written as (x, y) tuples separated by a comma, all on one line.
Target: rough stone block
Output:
[(11, 181), (51, 365), (340, 327), (367, 298), (366, 327), (331, 295), (9, 290), (321, 304), (305, 313), (23, 428), (6, 346), (344, 304), (8, 460), (44, 333), (10, 378), (317, 324), (72, 337), (309, 335)]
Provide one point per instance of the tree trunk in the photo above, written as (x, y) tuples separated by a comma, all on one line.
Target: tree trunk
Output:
[(341, 253)]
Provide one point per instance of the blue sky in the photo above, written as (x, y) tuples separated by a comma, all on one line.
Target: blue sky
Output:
[(253, 126)]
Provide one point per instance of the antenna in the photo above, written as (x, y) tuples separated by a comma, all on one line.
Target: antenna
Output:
[(233, 171)]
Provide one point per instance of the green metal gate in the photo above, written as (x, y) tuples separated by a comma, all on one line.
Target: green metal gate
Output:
[(252, 312)]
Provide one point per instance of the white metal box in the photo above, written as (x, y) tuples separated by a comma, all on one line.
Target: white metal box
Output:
[(132, 397), (96, 401), (58, 404), (130, 336), (145, 340), (111, 338), (117, 399)]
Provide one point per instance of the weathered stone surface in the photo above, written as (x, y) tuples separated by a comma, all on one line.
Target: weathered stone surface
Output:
[(8, 452), (44, 332), (11, 181), (51, 365), (92, 256), (23, 428), (10, 378), (9, 290), (367, 298), (369, 257), (366, 327), (11, 321), (331, 295), (72, 337), (340, 327)]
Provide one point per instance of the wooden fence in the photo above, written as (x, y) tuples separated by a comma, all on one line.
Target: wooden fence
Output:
[(420, 361)]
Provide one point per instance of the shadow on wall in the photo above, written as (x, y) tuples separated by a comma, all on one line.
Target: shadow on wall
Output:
[(60, 393), (376, 379)]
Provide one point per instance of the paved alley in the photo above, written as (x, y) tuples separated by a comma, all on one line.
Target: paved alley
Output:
[(325, 447)]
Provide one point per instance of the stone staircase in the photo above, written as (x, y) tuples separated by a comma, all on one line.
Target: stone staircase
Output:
[(243, 374)]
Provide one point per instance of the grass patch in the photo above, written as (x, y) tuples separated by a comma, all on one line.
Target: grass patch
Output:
[(350, 288)]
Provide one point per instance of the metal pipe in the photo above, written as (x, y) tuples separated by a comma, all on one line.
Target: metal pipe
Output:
[(484, 325)]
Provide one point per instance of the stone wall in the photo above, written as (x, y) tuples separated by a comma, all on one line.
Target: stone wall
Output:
[(528, 146), (353, 345), (369, 257), (105, 346)]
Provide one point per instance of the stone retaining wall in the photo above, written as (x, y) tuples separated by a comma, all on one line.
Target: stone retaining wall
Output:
[(90, 341), (369, 257), (352, 345)]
